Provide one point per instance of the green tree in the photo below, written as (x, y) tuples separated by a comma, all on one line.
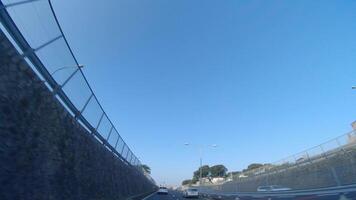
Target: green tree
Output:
[(195, 180), (187, 182), (146, 168), (205, 170), (254, 166), (218, 171)]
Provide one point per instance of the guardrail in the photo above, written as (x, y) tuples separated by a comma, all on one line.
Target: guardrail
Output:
[(33, 27)]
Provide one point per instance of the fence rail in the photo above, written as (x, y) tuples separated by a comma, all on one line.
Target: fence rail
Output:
[(36, 33), (331, 164), (322, 151)]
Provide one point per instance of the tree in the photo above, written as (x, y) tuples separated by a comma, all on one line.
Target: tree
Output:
[(205, 170), (146, 168), (218, 171), (187, 182), (254, 166)]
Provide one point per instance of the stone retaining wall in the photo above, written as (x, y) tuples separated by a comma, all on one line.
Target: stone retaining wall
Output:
[(334, 170), (44, 152)]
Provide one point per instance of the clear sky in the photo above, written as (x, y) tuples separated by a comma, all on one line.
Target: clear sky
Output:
[(261, 79)]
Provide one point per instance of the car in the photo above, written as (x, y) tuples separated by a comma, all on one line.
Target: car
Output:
[(162, 190), (263, 188), (272, 188), (191, 192)]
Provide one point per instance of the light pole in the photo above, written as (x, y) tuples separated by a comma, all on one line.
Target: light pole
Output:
[(67, 67), (201, 147)]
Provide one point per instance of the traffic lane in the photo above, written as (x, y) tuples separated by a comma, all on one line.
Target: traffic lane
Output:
[(172, 195)]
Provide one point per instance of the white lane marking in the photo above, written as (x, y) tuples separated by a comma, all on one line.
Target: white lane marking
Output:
[(342, 197), (149, 196)]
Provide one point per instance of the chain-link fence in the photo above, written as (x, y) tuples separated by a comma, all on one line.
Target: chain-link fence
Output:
[(35, 31), (330, 164)]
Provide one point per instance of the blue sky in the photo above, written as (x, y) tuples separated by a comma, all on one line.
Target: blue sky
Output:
[(261, 79)]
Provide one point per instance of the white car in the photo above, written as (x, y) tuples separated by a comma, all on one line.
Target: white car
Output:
[(191, 192), (272, 188), (162, 190)]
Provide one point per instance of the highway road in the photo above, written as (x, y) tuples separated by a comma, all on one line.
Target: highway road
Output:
[(175, 195), (348, 196), (172, 195)]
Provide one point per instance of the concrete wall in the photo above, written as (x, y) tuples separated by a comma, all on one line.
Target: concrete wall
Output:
[(44, 152)]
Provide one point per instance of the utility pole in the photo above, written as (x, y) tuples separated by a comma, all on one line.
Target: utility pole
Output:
[(201, 164), (201, 147)]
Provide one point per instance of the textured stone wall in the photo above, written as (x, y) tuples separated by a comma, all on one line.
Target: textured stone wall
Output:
[(44, 152), (318, 174)]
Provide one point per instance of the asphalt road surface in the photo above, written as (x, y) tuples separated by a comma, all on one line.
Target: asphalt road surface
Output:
[(344, 196), (176, 195), (172, 195)]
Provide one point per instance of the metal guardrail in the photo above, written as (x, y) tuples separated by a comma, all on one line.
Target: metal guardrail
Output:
[(37, 35)]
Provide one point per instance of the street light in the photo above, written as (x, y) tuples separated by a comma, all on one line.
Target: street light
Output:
[(353, 87), (201, 147), (67, 67)]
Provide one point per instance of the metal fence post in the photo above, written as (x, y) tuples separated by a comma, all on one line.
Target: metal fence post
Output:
[(308, 157), (32, 51), (118, 138), (85, 105), (68, 79), (323, 152), (101, 118), (112, 128), (131, 158), (122, 150), (59, 87), (127, 154)]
